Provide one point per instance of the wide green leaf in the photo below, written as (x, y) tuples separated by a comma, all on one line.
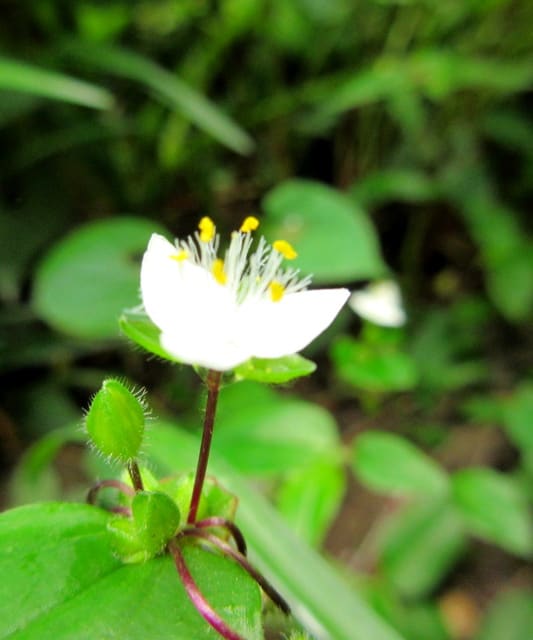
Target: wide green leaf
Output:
[(63, 575), (334, 238), (90, 276), (389, 463), (517, 414), (263, 432), (168, 87), (26, 78), (495, 507)]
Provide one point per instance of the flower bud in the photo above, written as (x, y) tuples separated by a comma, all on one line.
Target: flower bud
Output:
[(115, 422)]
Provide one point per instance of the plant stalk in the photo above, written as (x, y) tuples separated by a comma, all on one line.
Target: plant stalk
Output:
[(213, 387)]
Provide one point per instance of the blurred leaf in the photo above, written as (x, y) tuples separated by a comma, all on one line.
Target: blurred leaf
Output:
[(56, 586), (335, 240), (373, 366), (310, 498), (26, 78), (407, 185), (89, 277), (494, 507), (299, 573), (510, 617), (420, 545), (275, 371), (170, 89), (390, 464), (415, 620), (260, 431), (517, 416)]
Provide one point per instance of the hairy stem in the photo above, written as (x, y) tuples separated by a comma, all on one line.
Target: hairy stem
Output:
[(135, 475), (213, 387)]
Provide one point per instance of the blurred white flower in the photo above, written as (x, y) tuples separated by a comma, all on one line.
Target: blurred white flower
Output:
[(380, 303), (218, 313)]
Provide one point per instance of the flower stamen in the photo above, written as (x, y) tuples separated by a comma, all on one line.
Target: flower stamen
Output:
[(250, 224), (180, 256), (207, 229), (218, 271), (277, 290), (285, 248)]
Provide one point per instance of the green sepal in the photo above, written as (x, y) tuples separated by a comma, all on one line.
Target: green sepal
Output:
[(275, 370), (115, 422), (138, 327)]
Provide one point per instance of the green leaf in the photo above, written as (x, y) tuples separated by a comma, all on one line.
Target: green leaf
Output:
[(510, 617), (517, 416), (300, 574), (494, 507), (63, 575), (89, 277), (275, 371), (168, 87), (335, 240), (262, 432), (26, 78), (310, 499), (373, 366), (420, 545), (390, 464)]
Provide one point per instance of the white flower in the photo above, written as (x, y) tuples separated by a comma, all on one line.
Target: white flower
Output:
[(218, 313), (381, 303)]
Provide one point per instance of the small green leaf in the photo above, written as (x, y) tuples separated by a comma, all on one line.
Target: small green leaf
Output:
[(335, 240), (373, 366), (494, 507), (390, 464), (26, 78), (275, 371), (420, 545), (89, 277), (115, 422)]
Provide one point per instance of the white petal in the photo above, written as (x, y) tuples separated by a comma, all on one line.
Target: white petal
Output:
[(381, 303), (174, 292), (210, 347), (276, 329)]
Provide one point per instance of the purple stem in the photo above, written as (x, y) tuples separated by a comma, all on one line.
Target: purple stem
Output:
[(104, 484), (224, 523), (135, 475), (226, 549), (197, 598), (213, 387)]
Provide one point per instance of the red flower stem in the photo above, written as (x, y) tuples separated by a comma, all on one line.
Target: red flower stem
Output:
[(104, 484), (226, 549), (224, 523), (213, 387), (135, 475), (197, 598)]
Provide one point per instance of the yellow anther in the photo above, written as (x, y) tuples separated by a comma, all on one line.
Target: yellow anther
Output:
[(250, 224), (180, 256), (207, 229), (276, 290), (218, 271), (286, 249)]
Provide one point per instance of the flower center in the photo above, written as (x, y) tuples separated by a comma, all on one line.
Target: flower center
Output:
[(248, 275)]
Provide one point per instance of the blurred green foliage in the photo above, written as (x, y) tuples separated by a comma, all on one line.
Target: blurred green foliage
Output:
[(384, 138)]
